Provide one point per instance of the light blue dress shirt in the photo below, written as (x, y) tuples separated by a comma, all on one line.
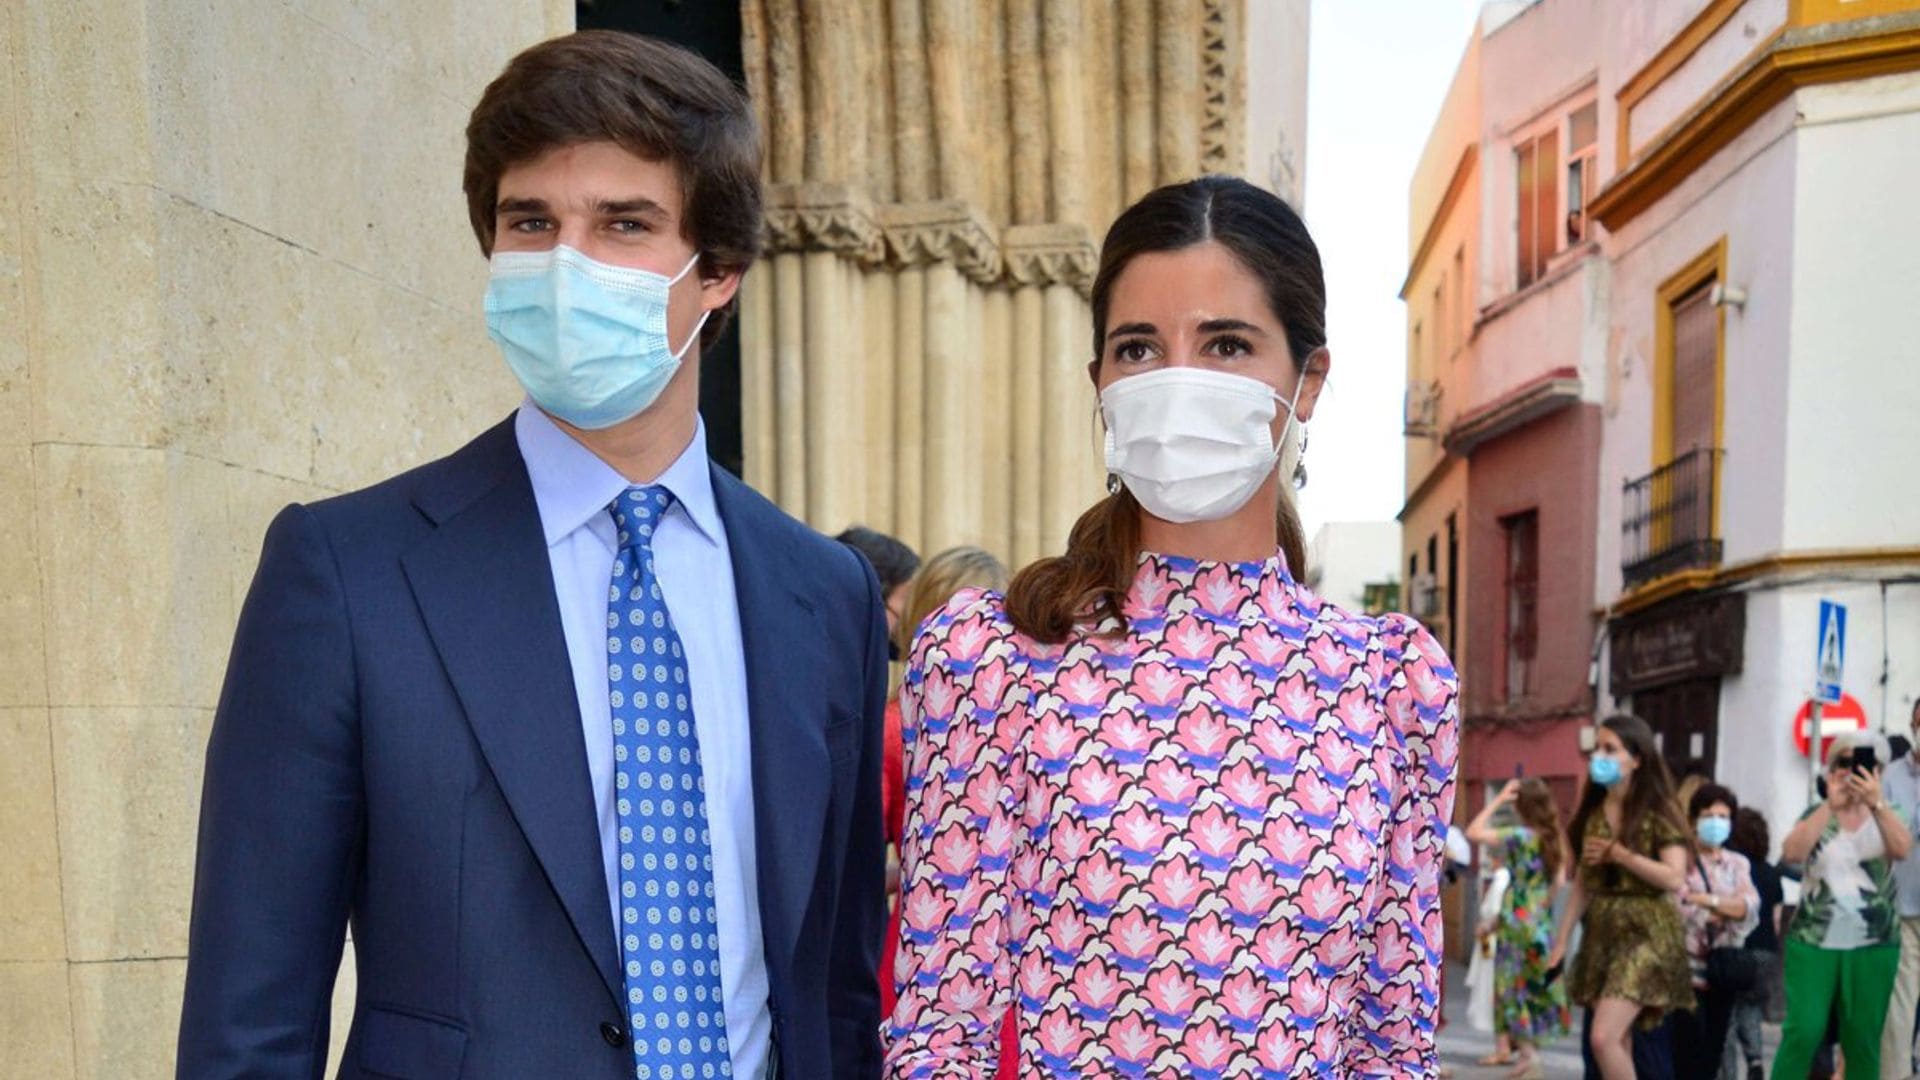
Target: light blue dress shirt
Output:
[(573, 489), (1900, 785)]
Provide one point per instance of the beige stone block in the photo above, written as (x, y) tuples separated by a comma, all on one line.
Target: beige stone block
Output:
[(134, 550), (22, 653), (31, 926), (423, 382), (36, 1028), (17, 344), (96, 375), (344, 989), (85, 95), (126, 1018), (129, 799)]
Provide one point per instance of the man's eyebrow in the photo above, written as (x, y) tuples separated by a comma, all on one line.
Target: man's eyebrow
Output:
[(519, 205), (1215, 326), (1129, 329), (639, 205)]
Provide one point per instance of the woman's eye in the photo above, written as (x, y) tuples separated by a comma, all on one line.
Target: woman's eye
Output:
[(1132, 351), (1230, 346)]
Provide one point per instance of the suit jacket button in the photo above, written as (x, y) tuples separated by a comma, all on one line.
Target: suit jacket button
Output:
[(613, 1034)]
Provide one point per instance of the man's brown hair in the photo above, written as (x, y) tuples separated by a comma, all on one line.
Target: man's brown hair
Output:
[(654, 100)]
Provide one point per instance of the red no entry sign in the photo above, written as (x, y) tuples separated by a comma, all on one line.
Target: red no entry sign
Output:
[(1836, 719)]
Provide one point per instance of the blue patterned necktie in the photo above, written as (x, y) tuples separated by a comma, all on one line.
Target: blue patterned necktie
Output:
[(669, 940)]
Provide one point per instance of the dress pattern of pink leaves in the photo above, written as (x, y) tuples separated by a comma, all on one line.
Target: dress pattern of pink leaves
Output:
[(1209, 847)]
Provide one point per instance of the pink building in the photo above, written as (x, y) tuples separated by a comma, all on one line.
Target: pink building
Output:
[(1506, 296)]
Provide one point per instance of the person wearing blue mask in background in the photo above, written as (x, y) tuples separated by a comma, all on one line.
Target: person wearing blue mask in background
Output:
[(1633, 854), (580, 733)]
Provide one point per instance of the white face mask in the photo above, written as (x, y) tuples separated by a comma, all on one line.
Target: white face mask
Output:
[(1193, 444)]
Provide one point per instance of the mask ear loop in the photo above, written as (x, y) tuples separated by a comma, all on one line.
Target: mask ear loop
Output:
[(1098, 422), (671, 282)]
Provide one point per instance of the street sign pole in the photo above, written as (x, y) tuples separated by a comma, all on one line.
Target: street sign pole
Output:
[(1816, 745)]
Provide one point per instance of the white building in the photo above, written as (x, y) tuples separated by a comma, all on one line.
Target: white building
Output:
[(1762, 405), (1347, 559)]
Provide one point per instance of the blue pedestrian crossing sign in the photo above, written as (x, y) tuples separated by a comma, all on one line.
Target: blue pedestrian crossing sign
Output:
[(1830, 661)]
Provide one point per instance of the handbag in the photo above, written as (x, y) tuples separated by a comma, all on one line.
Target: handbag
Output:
[(1731, 969)]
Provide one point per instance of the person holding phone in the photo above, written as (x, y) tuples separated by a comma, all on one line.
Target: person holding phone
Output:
[(1843, 948), (1632, 845), (1529, 1006)]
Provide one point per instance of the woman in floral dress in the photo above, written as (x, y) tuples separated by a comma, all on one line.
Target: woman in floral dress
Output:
[(1181, 816), (1632, 844), (1528, 1006)]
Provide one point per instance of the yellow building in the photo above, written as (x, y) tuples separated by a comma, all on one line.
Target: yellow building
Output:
[(236, 271)]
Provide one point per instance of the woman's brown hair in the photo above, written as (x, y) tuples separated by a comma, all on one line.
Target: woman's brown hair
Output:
[(654, 100), (1090, 581), (1534, 805), (1650, 793)]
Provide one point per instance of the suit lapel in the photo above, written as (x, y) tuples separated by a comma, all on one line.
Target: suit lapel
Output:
[(786, 712), (485, 589)]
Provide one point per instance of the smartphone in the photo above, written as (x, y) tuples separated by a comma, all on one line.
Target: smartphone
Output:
[(1864, 759)]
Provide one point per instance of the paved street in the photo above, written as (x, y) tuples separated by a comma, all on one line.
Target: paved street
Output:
[(1461, 1046)]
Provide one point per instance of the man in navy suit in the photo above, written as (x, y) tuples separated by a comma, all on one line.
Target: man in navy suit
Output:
[(579, 734)]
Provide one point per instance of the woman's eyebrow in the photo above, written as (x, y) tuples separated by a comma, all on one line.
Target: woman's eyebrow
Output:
[(1215, 326), (1129, 329)]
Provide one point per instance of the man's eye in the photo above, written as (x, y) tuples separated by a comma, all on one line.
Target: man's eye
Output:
[(628, 225), (529, 225)]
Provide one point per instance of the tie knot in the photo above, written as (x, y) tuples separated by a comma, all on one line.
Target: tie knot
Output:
[(637, 512)]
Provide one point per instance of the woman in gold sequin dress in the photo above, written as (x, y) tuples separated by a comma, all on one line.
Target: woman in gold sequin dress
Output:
[(1632, 964)]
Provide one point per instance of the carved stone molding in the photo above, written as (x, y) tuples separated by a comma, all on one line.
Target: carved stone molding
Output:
[(1219, 83), (824, 217), (1060, 254), (944, 230)]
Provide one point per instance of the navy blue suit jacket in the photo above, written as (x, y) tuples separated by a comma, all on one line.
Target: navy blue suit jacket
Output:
[(398, 746)]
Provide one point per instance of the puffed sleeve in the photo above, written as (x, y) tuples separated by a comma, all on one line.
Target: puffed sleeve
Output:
[(962, 714), (1392, 1031)]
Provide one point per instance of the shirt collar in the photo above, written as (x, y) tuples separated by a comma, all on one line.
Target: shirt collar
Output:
[(572, 487)]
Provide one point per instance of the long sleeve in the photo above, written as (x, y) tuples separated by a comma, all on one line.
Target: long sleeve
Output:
[(280, 822), (853, 1004), (961, 713), (1392, 1031)]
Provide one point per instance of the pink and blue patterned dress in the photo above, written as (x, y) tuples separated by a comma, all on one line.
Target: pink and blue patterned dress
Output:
[(1207, 847)]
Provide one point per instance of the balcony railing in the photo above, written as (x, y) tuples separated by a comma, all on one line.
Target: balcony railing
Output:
[(1666, 520)]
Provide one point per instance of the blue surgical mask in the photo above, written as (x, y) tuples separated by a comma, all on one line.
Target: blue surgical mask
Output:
[(1603, 770), (587, 340), (1713, 831)]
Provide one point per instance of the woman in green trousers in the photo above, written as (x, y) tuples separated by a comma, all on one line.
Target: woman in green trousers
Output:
[(1844, 946)]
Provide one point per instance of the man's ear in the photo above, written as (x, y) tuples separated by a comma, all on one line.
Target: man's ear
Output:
[(718, 290)]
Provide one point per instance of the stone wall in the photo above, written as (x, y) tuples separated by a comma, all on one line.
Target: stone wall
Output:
[(940, 174), (235, 272)]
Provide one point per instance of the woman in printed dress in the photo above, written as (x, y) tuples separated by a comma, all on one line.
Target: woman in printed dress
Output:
[(1177, 813), (1528, 1006), (1632, 965), (1719, 908)]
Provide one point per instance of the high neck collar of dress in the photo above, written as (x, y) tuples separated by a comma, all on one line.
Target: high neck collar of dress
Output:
[(1219, 586)]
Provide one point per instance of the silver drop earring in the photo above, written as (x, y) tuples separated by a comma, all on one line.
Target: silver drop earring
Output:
[(1113, 484), (1300, 463)]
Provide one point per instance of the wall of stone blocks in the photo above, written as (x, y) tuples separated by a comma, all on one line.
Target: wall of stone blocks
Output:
[(235, 272)]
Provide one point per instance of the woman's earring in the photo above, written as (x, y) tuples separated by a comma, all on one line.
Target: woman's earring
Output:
[(1113, 484), (1300, 463)]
